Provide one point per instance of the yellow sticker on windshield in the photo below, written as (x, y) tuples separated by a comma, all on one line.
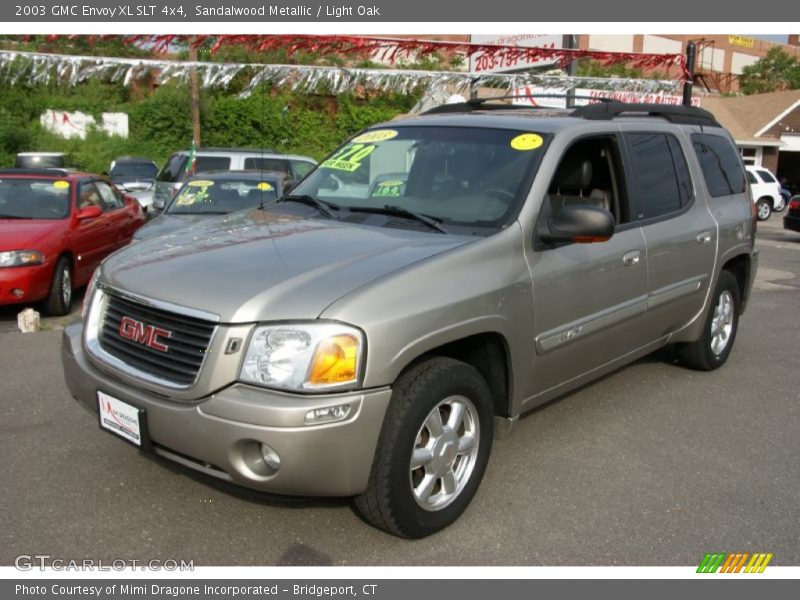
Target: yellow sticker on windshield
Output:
[(61, 185), (200, 183), (379, 135), (265, 187), (527, 141)]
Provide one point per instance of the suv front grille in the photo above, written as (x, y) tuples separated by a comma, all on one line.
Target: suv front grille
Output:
[(186, 346)]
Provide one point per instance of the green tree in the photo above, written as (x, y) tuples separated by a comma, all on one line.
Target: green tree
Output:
[(777, 71)]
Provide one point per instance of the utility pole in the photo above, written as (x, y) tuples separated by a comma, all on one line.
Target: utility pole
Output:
[(570, 43), (691, 57), (194, 95)]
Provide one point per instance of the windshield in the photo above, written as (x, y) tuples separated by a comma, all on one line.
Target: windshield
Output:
[(34, 199), (208, 196), (467, 179), (136, 170)]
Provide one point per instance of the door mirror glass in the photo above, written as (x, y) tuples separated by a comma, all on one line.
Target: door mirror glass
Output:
[(578, 223)]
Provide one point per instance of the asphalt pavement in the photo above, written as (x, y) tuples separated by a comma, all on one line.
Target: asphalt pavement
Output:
[(652, 465)]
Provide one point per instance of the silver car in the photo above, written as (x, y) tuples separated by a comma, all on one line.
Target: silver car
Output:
[(373, 344)]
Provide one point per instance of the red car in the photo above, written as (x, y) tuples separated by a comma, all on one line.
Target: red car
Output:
[(55, 228)]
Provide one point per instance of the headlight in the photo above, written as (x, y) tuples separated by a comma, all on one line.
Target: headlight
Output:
[(87, 297), (313, 356), (18, 258)]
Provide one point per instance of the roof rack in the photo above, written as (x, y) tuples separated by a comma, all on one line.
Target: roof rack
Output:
[(679, 114), (484, 103), (54, 172)]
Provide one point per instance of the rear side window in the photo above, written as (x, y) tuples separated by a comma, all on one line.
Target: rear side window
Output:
[(266, 164), (655, 175), (751, 178), (212, 163), (766, 176), (172, 169), (301, 168), (721, 164)]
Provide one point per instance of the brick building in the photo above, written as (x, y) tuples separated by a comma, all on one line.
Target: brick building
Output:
[(720, 58)]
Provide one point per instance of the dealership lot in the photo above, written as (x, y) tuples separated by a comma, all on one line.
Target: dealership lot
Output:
[(653, 464)]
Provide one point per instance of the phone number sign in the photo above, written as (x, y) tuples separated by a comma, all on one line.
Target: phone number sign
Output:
[(481, 62)]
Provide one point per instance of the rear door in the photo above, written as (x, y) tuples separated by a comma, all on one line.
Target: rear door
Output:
[(120, 220), (679, 232)]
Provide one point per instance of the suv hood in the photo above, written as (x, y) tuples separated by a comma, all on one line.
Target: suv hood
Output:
[(260, 266)]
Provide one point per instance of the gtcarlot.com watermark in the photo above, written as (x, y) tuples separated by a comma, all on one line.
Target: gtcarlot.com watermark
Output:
[(42, 562)]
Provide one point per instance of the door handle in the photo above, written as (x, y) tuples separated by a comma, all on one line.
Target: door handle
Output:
[(704, 237), (631, 258)]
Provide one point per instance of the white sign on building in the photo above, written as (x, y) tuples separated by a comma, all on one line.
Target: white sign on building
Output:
[(480, 62), (77, 124)]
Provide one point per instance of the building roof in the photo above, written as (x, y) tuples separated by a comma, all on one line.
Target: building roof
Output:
[(749, 118)]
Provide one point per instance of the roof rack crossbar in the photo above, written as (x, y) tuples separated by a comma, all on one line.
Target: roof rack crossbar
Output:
[(486, 103)]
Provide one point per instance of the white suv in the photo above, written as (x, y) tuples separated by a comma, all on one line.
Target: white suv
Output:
[(766, 191)]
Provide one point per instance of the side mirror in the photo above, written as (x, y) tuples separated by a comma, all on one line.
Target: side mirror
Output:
[(158, 203), (89, 212), (579, 223)]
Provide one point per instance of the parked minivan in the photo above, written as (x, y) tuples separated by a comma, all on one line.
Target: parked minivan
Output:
[(174, 173)]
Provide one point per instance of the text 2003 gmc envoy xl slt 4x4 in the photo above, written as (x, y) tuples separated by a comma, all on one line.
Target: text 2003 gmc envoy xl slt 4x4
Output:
[(430, 281)]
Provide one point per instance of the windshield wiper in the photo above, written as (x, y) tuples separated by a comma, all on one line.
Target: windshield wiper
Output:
[(326, 208), (14, 217), (394, 209)]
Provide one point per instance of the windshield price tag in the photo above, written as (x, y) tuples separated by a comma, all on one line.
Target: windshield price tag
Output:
[(349, 158)]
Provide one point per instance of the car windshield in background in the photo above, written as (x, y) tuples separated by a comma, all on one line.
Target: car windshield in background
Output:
[(34, 199), (466, 179), (208, 196), (134, 170)]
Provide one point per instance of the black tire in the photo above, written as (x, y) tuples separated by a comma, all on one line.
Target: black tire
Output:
[(699, 355), (389, 502), (59, 300), (763, 209)]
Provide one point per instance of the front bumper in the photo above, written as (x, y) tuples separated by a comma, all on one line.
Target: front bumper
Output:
[(216, 435), (33, 280)]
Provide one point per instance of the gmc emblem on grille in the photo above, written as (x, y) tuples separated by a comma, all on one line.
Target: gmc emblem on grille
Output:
[(147, 335)]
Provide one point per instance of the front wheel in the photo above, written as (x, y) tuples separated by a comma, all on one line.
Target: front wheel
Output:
[(433, 449), (763, 209), (719, 332), (59, 300)]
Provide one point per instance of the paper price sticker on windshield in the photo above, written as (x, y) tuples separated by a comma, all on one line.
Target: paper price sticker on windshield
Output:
[(379, 135), (61, 185), (527, 141), (349, 158), (200, 183), (264, 187)]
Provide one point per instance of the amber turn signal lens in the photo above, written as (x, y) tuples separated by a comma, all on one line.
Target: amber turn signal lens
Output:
[(335, 361)]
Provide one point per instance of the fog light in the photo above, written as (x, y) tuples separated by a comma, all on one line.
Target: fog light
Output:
[(270, 457), (17, 292), (328, 414)]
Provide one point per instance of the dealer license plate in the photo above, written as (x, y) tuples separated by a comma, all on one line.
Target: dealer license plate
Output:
[(121, 419)]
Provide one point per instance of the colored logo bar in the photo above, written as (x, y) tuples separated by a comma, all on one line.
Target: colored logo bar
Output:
[(734, 562)]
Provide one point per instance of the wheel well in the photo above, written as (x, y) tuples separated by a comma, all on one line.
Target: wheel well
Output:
[(769, 199), (488, 354), (739, 266)]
